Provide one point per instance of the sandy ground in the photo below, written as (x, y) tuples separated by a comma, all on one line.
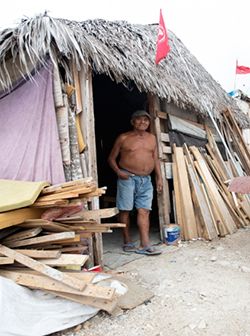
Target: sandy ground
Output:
[(200, 288)]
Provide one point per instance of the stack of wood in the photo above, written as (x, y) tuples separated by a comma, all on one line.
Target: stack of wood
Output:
[(205, 208), (45, 245)]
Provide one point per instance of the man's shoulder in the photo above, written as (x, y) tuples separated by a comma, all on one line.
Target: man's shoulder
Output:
[(126, 134)]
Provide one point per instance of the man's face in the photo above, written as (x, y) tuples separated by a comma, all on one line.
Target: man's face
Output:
[(141, 123)]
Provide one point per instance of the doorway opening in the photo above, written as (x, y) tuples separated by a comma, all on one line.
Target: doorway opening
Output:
[(113, 105)]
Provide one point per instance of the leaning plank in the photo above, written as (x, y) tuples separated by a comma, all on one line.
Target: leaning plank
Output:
[(43, 239), (41, 268), (185, 193), (45, 283), (10, 218), (66, 260), (207, 219), (213, 191)]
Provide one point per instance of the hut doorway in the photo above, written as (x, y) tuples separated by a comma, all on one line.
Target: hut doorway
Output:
[(113, 105)]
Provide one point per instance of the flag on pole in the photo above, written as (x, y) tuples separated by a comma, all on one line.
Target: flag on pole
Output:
[(162, 46), (241, 69)]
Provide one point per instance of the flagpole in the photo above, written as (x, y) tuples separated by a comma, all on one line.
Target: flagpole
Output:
[(235, 75)]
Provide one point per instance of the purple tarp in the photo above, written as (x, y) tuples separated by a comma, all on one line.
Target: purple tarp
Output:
[(29, 142)]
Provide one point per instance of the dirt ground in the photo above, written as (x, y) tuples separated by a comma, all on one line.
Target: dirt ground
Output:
[(200, 288)]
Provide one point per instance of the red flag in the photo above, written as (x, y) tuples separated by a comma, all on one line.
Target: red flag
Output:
[(241, 69), (162, 47)]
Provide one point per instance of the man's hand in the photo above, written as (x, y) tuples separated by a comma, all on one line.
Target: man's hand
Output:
[(159, 185), (123, 175)]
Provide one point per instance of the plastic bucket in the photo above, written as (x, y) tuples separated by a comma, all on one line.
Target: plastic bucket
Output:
[(172, 234)]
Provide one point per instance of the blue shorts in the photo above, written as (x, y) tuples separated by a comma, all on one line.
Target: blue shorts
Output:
[(135, 191)]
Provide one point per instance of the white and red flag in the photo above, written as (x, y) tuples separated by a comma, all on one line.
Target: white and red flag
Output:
[(241, 69), (162, 46)]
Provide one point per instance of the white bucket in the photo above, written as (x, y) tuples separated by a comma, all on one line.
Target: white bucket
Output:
[(172, 234)]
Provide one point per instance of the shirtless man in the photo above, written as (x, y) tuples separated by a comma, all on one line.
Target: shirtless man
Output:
[(138, 157)]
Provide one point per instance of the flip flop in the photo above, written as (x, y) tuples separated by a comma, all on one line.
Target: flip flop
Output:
[(129, 247), (149, 250)]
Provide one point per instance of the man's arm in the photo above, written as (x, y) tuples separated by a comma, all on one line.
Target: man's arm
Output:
[(157, 169), (112, 159), (114, 154)]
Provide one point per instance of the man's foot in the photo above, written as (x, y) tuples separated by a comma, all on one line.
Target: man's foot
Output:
[(148, 250), (129, 247)]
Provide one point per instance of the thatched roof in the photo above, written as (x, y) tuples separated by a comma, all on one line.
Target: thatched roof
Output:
[(124, 52)]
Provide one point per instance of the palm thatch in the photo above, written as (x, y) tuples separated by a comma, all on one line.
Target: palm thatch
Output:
[(123, 51)]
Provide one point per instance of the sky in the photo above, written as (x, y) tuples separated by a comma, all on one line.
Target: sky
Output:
[(216, 32)]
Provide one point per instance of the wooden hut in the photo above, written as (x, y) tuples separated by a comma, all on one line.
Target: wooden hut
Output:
[(102, 72)]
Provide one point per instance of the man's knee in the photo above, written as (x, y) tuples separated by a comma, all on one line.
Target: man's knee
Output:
[(143, 212)]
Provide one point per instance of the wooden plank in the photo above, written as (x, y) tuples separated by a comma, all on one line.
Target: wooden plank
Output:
[(49, 226), (14, 217), (45, 283), (66, 259), (166, 149), (105, 305), (50, 204), (85, 276), (207, 219), (40, 254), (6, 260), (63, 186), (93, 214), (41, 268), (8, 231), (168, 170), (52, 238), (185, 192), (164, 137), (178, 206), (215, 196), (25, 234)]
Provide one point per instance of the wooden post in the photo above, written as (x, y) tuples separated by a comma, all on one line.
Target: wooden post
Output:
[(87, 120), (163, 197)]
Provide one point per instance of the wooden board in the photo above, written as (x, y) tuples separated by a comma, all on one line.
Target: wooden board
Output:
[(45, 283), (41, 268), (6, 260), (214, 194), (66, 260), (105, 305), (185, 192), (93, 214), (15, 217), (25, 234), (52, 238), (206, 217), (40, 254)]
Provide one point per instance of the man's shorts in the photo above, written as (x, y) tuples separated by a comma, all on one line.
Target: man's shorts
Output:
[(136, 191)]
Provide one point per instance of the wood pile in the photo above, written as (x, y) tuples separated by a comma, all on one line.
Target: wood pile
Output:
[(205, 208), (45, 246)]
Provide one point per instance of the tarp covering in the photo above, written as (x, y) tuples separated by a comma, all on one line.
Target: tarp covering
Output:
[(240, 184), (29, 142), (18, 194), (26, 312)]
